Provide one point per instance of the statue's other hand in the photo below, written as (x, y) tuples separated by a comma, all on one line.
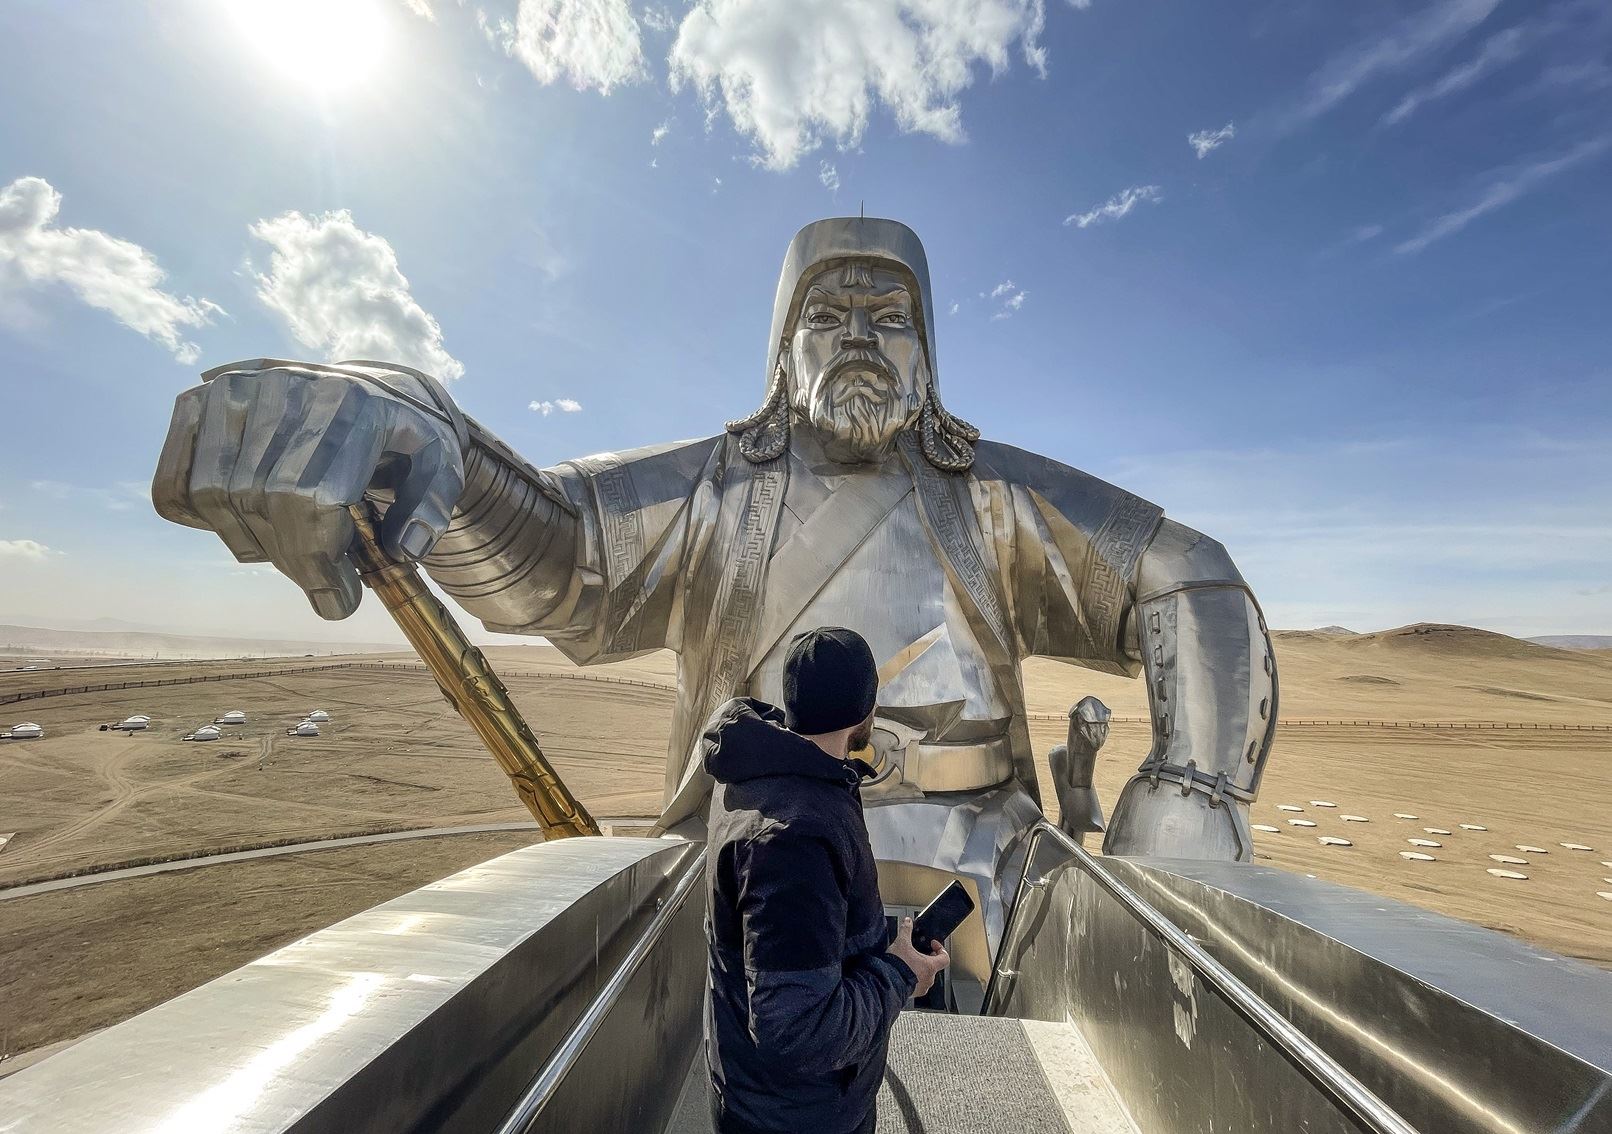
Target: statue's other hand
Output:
[(1079, 811), (271, 458)]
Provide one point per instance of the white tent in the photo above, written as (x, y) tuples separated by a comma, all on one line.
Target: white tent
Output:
[(206, 732), (133, 724), (318, 715), (234, 716), (141, 717), (26, 731), (306, 728)]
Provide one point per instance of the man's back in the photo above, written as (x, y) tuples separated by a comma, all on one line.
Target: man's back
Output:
[(801, 989)]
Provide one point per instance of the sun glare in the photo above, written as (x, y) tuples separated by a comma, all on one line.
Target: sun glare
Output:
[(328, 44)]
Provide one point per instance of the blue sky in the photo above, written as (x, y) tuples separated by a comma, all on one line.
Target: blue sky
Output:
[(1362, 337)]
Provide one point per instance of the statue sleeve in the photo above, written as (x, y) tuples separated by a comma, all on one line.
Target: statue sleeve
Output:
[(586, 553), (1077, 542)]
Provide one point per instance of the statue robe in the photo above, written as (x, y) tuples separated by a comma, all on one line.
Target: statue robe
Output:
[(676, 543)]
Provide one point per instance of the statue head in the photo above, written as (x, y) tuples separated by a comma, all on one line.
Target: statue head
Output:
[(1088, 723), (852, 351)]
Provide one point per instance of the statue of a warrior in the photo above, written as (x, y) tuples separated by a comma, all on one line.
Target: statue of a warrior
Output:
[(850, 497)]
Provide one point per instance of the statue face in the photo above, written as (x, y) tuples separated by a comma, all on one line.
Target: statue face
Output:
[(857, 371)]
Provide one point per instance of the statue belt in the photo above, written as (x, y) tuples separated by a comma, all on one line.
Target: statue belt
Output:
[(959, 767)]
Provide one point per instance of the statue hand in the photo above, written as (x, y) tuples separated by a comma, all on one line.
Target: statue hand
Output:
[(1079, 811), (270, 459)]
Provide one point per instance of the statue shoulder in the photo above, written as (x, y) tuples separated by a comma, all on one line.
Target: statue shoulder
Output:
[(670, 459), (627, 479), (1087, 501)]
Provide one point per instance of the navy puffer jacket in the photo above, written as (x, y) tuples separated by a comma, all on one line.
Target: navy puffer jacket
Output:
[(801, 990)]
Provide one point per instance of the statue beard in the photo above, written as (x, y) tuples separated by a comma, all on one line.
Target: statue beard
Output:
[(856, 401)]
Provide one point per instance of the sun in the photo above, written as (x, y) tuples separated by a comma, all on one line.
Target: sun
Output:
[(329, 45)]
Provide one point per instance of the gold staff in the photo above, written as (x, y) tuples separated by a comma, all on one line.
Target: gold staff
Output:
[(468, 682)]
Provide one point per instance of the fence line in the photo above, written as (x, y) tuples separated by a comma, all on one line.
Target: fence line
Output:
[(152, 683), (1284, 722)]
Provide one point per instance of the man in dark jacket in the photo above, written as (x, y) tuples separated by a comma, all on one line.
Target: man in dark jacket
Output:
[(802, 988)]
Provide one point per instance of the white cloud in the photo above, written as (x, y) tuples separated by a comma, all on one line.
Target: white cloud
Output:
[(829, 176), (421, 8), (1117, 206), (658, 19), (790, 78), (28, 549), (111, 275), (1503, 192), (340, 291), (659, 133), (1203, 141), (1008, 297), (564, 405), (593, 44), (1497, 51), (955, 307), (1406, 43)]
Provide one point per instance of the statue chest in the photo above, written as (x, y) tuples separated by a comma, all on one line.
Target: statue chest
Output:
[(935, 674)]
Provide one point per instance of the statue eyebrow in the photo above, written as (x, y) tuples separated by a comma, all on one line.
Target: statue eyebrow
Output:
[(818, 294)]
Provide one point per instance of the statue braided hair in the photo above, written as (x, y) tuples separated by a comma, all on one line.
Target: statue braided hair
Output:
[(947, 441)]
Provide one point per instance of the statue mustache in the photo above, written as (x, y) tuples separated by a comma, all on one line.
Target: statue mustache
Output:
[(862, 359)]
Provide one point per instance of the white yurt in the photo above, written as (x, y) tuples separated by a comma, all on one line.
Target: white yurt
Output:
[(206, 732), (234, 716), (306, 728), (27, 730), (141, 717), (318, 715), (134, 724)]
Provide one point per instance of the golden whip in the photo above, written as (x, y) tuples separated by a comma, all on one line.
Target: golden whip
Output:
[(469, 684)]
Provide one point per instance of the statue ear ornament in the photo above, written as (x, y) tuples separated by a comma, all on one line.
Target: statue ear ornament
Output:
[(764, 435), (947, 440)]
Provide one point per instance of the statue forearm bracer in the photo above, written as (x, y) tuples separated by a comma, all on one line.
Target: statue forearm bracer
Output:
[(1211, 680), (509, 555)]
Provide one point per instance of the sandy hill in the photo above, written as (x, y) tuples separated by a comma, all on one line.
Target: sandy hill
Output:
[(1575, 641)]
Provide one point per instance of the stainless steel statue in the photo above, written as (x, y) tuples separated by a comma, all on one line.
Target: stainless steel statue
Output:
[(851, 496), (1071, 763)]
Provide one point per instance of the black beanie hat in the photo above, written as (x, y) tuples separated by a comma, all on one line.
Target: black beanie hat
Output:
[(830, 681)]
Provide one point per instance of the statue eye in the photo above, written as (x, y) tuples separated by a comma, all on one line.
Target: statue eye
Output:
[(894, 319), (823, 319)]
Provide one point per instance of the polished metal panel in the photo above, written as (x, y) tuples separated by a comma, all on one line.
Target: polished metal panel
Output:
[(1233, 1020), (434, 1010), (852, 496), (610, 1073), (1458, 1027), (1453, 1027)]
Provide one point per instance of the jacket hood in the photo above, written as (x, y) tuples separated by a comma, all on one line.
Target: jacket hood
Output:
[(746, 739)]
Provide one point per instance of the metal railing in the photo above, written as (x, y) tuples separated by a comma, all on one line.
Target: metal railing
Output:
[(1306, 1056), (548, 1080), (1293, 722)]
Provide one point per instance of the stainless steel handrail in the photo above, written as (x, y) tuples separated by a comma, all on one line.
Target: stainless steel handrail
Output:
[(559, 1064), (1314, 1063)]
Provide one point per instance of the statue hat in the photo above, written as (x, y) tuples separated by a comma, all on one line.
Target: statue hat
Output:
[(947, 442)]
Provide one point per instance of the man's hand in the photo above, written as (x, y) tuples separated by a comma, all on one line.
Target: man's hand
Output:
[(270, 459), (925, 967)]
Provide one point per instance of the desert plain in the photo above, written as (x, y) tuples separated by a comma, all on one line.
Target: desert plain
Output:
[(1448, 724)]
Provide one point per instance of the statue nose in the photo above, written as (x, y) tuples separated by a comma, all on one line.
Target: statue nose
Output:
[(858, 331)]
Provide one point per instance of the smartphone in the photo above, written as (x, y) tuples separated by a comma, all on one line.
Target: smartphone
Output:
[(942, 916)]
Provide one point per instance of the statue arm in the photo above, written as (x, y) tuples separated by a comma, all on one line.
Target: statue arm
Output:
[(1211, 680), (587, 553), (510, 553)]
